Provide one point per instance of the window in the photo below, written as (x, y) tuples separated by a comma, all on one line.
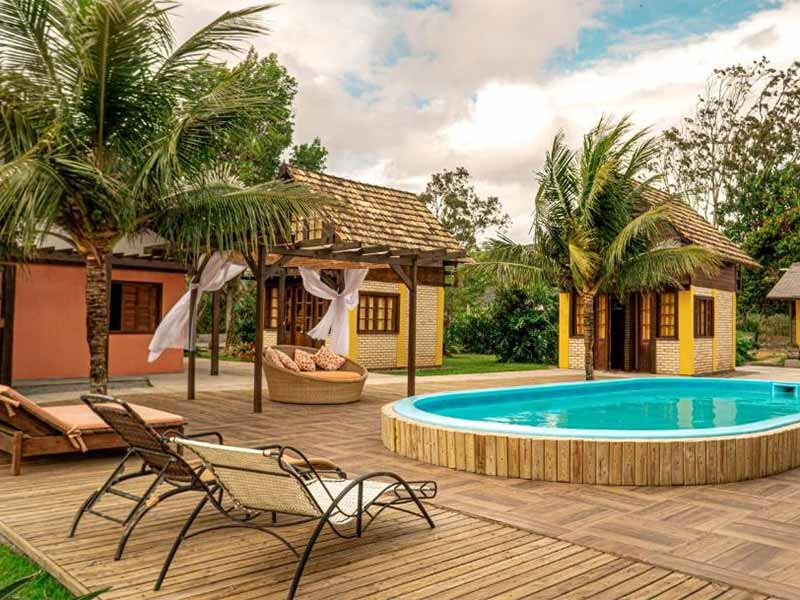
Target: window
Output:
[(576, 325), (645, 317), (378, 313), (667, 315), (703, 317), (135, 307)]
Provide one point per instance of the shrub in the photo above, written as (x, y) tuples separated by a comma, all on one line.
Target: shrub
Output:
[(518, 326), (744, 348), (525, 326), (470, 332)]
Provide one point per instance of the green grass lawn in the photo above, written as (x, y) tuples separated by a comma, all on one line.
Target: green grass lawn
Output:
[(13, 566), (461, 364)]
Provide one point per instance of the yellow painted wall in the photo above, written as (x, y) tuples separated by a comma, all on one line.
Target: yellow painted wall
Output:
[(439, 326), (714, 339), (686, 332), (733, 329), (402, 344), (563, 330), (796, 321), (352, 324)]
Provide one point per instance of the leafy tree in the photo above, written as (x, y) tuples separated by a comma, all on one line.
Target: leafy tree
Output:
[(525, 326), (738, 158), (451, 197), (591, 232), (104, 135), (311, 156)]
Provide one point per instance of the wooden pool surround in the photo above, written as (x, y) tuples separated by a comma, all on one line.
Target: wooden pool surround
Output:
[(598, 462)]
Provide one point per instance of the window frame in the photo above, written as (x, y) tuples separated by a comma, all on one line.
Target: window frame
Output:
[(659, 335), (707, 304), (395, 322), (159, 287), (573, 311)]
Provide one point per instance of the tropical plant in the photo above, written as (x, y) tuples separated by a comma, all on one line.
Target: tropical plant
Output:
[(593, 232), (104, 136)]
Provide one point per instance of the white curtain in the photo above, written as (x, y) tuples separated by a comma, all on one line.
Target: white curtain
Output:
[(334, 324), (173, 332)]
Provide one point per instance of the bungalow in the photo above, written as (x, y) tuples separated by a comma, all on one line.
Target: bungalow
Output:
[(690, 330), (390, 222)]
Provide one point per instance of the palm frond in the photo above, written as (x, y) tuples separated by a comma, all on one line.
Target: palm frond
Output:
[(645, 227), (29, 38), (221, 215), (31, 195), (224, 34), (665, 266), (512, 265)]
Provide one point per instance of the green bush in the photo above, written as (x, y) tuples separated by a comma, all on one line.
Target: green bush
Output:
[(244, 318), (744, 348), (518, 326), (469, 332), (525, 326)]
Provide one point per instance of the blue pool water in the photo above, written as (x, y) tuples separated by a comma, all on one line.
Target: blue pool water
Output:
[(657, 407)]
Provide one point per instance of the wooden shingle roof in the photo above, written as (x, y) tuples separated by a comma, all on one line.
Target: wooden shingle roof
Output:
[(788, 286), (692, 228), (372, 214)]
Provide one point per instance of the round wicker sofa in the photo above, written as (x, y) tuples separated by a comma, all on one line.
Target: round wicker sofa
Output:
[(314, 387)]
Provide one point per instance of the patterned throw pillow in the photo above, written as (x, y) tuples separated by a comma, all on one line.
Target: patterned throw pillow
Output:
[(327, 360), (286, 360), (304, 360), (273, 357)]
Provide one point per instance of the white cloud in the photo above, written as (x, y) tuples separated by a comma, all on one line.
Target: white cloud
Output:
[(469, 87)]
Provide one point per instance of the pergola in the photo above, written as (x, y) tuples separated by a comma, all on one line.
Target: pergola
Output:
[(389, 232)]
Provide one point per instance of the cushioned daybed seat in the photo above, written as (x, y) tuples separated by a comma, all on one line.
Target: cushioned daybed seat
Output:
[(314, 387), (29, 429)]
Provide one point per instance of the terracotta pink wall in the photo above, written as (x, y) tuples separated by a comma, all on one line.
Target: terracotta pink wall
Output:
[(50, 325)]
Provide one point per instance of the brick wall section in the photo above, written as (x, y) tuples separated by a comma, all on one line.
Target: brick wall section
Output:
[(723, 328), (667, 357), (703, 352), (576, 353)]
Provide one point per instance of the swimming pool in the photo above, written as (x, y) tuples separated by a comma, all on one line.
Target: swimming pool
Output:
[(639, 431)]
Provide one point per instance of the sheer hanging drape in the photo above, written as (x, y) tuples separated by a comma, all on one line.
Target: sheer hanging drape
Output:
[(173, 332), (334, 323)]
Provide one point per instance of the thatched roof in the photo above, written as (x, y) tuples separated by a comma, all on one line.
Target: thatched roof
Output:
[(372, 214), (692, 228), (788, 286)]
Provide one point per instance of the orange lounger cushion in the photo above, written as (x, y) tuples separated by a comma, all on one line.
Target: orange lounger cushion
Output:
[(81, 418), (332, 375)]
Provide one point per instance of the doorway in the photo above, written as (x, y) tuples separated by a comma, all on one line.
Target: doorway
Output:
[(616, 360)]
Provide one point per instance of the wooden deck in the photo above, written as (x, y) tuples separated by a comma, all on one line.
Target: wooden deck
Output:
[(496, 538)]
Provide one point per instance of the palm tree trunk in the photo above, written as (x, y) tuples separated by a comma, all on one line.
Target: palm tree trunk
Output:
[(588, 335), (97, 291)]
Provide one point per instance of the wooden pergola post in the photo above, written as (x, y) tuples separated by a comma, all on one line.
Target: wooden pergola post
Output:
[(215, 299), (259, 333), (411, 386), (281, 330)]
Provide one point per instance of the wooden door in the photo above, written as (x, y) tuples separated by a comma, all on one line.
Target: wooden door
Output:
[(304, 312), (601, 334), (645, 332)]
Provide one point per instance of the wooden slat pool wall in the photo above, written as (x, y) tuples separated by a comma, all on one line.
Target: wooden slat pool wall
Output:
[(599, 462)]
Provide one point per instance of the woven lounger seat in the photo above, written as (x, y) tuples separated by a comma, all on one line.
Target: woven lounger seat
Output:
[(28, 429), (280, 479), (315, 387)]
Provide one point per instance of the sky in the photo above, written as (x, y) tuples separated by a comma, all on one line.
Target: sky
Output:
[(400, 89)]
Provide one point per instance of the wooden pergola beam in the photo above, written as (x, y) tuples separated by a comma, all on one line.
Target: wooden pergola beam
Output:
[(192, 370), (259, 337)]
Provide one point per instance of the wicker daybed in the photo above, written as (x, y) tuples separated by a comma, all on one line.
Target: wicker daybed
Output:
[(314, 387)]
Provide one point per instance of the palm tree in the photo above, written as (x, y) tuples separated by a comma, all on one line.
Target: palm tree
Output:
[(592, 230), (105, 134)]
